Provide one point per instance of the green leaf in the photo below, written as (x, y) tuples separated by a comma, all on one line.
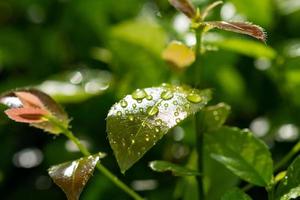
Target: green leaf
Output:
[(76, 86), (289, 187), (235, 194), (142, 32), (254, 48), (213, 117), (242, 153), (72, 176), (177, 170), (139, 120)]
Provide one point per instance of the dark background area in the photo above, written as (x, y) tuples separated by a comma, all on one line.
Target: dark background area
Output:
[(88, 54)]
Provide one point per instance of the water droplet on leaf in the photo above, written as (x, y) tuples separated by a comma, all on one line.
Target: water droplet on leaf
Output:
[(166, 95), (139, 94), (152, 111), (194, 97), (123, 103)]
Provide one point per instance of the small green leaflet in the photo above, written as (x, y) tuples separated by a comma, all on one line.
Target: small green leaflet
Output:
[(139, 120), (72, 176), (177, 170), (242, 153), (235, 194), (289, 187)]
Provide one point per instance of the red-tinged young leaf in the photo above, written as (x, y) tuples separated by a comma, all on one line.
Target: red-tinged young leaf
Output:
[(29, 100), (34, 107), (239, 27), (209, 8), (72, 176), (184, 6), (27, 115)]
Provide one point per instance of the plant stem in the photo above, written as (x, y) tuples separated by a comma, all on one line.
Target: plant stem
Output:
[(270, 191), (197, 119), (288, 156), (99, 166)]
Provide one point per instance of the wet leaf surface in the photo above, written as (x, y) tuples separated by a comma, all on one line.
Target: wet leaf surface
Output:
[(139, 120), (177, 170), (72, 176), (213, 117), (179, 55), (289, 187), (235, 194), (239, 27), (33, 106), (242, 153)]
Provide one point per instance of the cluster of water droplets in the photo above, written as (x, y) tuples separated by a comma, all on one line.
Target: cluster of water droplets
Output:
[(147, 114)]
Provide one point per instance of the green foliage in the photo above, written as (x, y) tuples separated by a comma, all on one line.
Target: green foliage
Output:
[(139, 120), (177, 170), (235, 194), (242, 153), (289, 187)]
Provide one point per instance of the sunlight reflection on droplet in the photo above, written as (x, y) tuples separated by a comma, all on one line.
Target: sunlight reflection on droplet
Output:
[(71, 147), (142, 185), (262, 64), (190, 39), (28, 158), (287, 132), (43, 182), (178, 133), (181, 23), (228, 11), (260, 126), (76, 78), (293, 50), (12, 102)]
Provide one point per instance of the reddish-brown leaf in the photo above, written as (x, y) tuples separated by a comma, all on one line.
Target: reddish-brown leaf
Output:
[(239, 27), (27, 115), (184, 6)]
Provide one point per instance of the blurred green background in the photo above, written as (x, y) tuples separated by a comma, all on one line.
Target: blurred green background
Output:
[(88, 54)]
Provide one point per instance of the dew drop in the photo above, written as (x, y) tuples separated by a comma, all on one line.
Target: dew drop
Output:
[(177, 120), (152, 110), (131, 118), (134, 105), (123, 103), (157, 129), (149, 97), (119, 113), (132, 141), (194, 98), (139, 94), (175, 103), (176, 114), (147, 139), (139, 101), (141, 109), (127, 111), (166, 105), (166, 95)]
